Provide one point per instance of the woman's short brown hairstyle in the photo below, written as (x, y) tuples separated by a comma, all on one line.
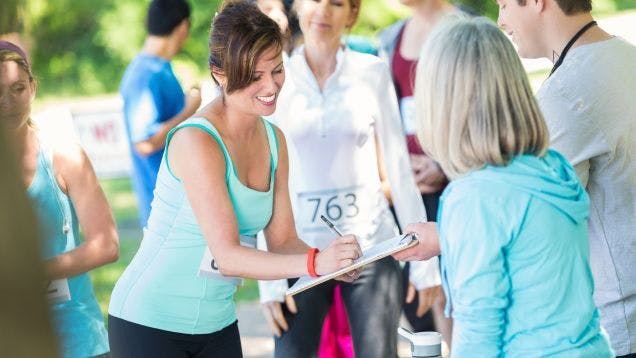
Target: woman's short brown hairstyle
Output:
[(239, 35)]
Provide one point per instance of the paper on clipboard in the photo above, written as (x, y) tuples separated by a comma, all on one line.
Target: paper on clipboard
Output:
[(371, 254)]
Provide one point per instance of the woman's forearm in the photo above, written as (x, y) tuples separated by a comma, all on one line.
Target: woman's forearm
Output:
[(89, 255)]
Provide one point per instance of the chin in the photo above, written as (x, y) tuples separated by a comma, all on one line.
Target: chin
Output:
[(528, 54), (268, 112)]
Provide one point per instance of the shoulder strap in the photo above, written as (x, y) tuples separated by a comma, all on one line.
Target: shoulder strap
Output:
[(273, 144), (63, 201), (206, 126)]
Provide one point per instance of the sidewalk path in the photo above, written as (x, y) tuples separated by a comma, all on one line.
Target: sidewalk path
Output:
[(256, 337)]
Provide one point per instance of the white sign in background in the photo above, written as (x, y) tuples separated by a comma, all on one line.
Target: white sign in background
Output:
[(101, 133)]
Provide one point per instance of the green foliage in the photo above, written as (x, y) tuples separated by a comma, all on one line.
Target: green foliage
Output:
[(10, 19), (376, 15), (486, 8), (83, 47)]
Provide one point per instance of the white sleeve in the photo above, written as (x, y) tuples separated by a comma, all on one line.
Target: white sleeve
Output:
[(407, 199), (425, 274), (270, 290)]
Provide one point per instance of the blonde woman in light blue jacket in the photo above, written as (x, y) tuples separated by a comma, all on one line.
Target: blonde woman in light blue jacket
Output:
[(512, 224)]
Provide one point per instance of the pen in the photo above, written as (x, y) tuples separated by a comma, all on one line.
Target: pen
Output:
[(331, 225)]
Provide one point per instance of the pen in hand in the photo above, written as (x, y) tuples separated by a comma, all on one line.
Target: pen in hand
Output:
[(331, 225), (335, 230)]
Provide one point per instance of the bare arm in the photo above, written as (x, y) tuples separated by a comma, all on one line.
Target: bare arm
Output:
[(158, 140), (280, 233), (384, 181), (77, 178), (207, 192)]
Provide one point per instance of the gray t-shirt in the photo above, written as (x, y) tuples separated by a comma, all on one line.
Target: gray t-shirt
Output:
[(589, 105)]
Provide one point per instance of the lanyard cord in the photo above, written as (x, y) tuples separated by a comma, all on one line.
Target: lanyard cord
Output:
[(569, 45)]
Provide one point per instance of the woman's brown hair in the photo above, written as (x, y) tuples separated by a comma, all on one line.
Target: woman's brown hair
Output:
[(239, 35)]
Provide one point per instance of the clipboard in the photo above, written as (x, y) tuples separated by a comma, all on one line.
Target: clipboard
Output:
[(369, 255)]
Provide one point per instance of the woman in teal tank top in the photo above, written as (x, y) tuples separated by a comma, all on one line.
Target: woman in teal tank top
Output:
[(65, 196), (223, 178)]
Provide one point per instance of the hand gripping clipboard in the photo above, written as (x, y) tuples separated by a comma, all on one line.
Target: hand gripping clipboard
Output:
[(369, 255)]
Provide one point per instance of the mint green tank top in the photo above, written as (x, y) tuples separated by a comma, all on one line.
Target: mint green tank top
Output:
[(161, 287)]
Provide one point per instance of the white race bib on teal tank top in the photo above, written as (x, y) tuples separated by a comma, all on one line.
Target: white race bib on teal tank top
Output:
[(209, 267)]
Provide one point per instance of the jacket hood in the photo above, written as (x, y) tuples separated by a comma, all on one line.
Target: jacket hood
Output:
[(549, 178)]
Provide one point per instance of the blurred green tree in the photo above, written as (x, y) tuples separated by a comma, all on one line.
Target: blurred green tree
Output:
[(83, 47), (10, 16)]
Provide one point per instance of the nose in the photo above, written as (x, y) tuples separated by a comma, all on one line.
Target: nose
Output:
[(271, 84), (323, 7)]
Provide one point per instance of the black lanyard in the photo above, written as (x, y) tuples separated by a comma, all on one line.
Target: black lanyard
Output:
[(570, 43)]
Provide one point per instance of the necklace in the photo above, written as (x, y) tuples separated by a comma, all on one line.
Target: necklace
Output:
[(570, 43)]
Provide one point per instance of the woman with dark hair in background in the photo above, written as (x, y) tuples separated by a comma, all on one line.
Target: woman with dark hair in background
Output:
[(223, 178)]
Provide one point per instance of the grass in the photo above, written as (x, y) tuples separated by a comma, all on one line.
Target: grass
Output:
[(605, 8), (124, 205)]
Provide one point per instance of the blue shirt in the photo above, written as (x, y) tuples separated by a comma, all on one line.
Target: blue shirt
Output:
[(152, 95), (79, 324), (515, 262)]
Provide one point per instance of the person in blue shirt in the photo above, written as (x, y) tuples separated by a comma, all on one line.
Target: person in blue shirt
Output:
[(154, 102), (512, 223)]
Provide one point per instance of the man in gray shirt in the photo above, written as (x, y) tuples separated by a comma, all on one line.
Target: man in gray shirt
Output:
[(589, 104)]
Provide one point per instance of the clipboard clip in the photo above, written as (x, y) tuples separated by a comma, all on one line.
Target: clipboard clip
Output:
[(407, 238)]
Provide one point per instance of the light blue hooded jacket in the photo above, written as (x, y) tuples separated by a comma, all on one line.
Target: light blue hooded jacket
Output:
[(515, 262)]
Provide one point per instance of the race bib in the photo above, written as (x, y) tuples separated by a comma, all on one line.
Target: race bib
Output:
[(344, 207), (57, 291), (407, 112), (209, 267)]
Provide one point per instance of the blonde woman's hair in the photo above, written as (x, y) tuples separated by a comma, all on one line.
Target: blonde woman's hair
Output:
[(474, 104)]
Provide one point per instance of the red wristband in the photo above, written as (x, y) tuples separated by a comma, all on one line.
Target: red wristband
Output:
[(311, 262)]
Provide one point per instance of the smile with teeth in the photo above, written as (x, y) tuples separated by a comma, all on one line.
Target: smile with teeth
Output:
[(269, 99)]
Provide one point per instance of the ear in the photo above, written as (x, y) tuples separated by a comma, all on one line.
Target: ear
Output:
[(539, 5), (218, 76), (183, 28)]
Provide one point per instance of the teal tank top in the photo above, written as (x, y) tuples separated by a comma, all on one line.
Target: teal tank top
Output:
[(161, 288), (78, 322)]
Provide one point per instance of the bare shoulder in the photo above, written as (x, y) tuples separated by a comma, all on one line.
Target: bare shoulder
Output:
[(71, 164), (192, 147)]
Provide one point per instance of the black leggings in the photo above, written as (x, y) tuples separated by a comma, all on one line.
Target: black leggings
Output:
[(133, 340)]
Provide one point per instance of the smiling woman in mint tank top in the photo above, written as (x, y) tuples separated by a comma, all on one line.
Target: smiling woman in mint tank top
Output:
[(65, 195), (222, 179)]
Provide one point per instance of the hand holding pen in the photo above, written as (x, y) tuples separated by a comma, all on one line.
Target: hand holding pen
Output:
[(351, 275)]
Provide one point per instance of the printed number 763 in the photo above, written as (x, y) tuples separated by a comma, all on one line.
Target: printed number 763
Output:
[(334, 208)]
